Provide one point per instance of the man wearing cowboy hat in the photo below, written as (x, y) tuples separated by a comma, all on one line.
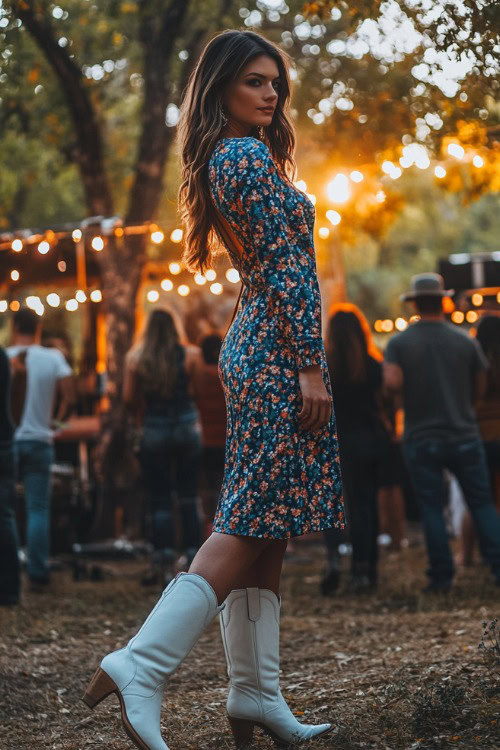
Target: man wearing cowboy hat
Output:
[(440, 371)]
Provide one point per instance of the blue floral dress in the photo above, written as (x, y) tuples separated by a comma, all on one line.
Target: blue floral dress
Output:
[(279, 482)]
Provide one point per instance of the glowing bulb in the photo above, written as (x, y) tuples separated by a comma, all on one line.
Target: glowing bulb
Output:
[(216, 288), (174, 268), (387, 326), (43, 248), (478, 161), (457, 317), (14, 275), (176, 235), (477, 299), (153, 295), (183, 290), (338, 189), (81, 296), (378, 326), (200, 279), (210, 275), (157, 237), (71, 305), (17, 246), (357, 176), (61, 266), (76, 235), (53, 299), (387, 167), (380, 196), (96, 295), (167, 285), (440, 172), (3, 305), (301, 185), (334, 217), (456, 150), (97, 243), (414, 318), (14, 305), (401, 324), (324, 232), (471, 316), (232, 275), (32, 302)]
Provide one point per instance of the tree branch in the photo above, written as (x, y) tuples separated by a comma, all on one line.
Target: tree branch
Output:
[(89, 153)]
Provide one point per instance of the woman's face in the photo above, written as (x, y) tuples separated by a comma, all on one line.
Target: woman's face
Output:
[(251, 99)]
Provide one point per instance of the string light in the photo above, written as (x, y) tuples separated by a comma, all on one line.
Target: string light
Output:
[(96, 295), (457, 317), (174, 268), (71, 305), (153, 295), (17, 246), (333, 217), (414, 319), (53, 299), (401, 324), (478, 161), (456, 150), (471, 316), (440, 172), (14, 305), (216, 288), (380, 196), (3, 306), (338, 189), (357, 176), (477, 299), (200, 279), (81, 296), (378, 326), (157, 237), (210, 275), (183, 290), (97, 244), (167, 285), (232, 275), (43, 248), (14, 275), (177, 235), (387, 325), (76, 234)]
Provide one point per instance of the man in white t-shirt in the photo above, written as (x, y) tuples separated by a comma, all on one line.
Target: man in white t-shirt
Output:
[(48, 374)]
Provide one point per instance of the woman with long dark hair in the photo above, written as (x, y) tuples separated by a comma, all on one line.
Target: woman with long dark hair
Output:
[(282, 474), (356, 373), (158, 380)]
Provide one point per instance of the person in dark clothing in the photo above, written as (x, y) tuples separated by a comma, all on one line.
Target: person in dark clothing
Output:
[(440, 372), (209, 397), (158, 385), (9, 561), (356, 376)]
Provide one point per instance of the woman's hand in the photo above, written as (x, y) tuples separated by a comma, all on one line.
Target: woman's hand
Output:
[(317, 404)]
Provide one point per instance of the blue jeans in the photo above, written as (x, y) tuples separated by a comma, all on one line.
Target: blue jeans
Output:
[(171, 454), (33, 459), (426, 461), (9, 560)]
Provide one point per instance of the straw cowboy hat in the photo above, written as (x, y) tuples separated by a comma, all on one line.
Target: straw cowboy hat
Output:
[(427, 285)]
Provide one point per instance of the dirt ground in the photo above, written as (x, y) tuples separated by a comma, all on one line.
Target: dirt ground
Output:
[(393, 669)]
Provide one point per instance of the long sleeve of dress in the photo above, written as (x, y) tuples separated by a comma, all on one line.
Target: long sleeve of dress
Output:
[(255, 185)]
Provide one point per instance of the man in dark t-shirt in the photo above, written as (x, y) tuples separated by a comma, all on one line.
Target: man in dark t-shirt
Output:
[(440, 372), (9, 561)]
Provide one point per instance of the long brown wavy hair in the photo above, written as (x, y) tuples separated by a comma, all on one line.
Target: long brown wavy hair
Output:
[(200, 126), (349, 343), (154, 358)]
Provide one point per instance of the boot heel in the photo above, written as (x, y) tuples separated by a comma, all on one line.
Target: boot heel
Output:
[(101, 685), (242, 731)]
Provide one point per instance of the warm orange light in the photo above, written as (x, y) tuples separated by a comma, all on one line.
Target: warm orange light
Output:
[(174, 268), (157, 237), (471, 316), (232, 275), (96, 295), (176, 235), (387, 325), (477, 299), (324, 233), (210, 275), (77, 235), (216, 288), (401, 324), (448, 305), (457, 317), (14, 275), (153, 295), (167, 285), (17, 246), (14, 305), (97, 243), (199, 279), (338, 190), (183, 290), (378, 326)]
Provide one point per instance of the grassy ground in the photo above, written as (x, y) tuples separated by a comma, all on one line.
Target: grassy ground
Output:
[(395, 669)]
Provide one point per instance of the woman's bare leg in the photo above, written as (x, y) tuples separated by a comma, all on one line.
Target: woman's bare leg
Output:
[(224, 558), (265, 572)]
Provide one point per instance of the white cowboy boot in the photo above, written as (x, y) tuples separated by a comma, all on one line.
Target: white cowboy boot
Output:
[(250, 633), (138, 672)]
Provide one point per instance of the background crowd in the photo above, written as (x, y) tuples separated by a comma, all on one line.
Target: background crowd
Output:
[(445, 383)]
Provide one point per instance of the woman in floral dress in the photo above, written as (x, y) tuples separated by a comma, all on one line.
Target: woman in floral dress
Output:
[(282, 475)]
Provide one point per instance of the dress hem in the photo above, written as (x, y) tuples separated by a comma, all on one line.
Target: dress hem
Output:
[(290, 535)]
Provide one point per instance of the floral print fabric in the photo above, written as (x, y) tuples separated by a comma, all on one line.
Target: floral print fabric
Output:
[(279, 482)]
